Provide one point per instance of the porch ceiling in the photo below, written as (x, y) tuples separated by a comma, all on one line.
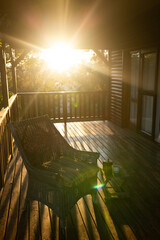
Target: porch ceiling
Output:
[(90, 24)]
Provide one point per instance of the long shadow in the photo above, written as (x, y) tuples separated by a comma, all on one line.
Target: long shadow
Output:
[(135, 217), (102, 226), (72, 227), (10, 227), (9, 195), (88, 219), (24, 216)]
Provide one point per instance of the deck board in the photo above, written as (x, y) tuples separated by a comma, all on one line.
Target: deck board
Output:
[(135, 218)]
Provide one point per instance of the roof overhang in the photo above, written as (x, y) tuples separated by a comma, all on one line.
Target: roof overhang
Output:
[(98, 24)]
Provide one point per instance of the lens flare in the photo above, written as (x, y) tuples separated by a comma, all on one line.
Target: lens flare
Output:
[(99, 186)]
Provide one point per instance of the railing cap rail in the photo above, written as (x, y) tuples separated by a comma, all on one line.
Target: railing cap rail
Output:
[(60, 92), (5, 110)]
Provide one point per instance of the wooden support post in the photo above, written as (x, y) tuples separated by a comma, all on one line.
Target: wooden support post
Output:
[(4, 76), (14, 77)]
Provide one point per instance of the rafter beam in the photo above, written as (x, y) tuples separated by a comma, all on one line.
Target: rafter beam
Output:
[(101, 56)]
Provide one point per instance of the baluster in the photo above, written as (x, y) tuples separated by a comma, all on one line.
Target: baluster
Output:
[(84, 104), (80, 106), (23, 109), (70, 106), (53, 106), (49, 106), (104, 105), (64, 107), (89, 105), (94, 105), (75, 105), (58, 105)]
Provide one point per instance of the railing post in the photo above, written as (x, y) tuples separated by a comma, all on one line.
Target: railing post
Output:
[(65, 107), (14, 77), (4, 76)]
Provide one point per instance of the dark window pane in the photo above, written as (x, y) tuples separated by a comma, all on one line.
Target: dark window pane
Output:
[(147, 113), (134, 74), (149, 71), (133, 113)]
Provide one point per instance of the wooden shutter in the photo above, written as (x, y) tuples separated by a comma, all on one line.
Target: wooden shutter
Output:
[(116, 87)]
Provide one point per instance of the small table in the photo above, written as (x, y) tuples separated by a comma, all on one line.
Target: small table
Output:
[(115, 179)]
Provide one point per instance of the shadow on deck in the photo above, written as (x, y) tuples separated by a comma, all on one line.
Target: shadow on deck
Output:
[(137, 217)]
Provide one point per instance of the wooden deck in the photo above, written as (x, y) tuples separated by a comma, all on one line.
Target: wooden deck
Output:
[(137, 217)]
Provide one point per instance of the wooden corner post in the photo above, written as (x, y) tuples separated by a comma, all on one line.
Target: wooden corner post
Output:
[(4, 75), (14, 77)]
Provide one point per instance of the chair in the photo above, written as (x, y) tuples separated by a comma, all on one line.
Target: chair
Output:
[(58, 175)]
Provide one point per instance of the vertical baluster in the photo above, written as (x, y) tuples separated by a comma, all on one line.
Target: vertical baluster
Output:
[(103, 105), (23, 107), (75, 106), (70, 105), (49, 106), (58, 105), (64, 107), (31, 112), (94, 105), (53, 106), (28, 106), (61, 106), (80, 106), (1, 157), (88, 105), (7, 140), (67, 106), (38, 104), (84, 104), (46, 108), (8, 133), (98, 102), (43, 104)]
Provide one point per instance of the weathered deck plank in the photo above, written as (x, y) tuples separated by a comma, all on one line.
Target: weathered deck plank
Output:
[(134, 218), (6, 196)]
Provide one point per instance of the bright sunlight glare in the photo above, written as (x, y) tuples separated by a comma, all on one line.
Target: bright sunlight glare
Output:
[(62, 57)]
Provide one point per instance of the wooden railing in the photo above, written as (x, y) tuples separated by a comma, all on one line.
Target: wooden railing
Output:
[(6, 115), (64, 106)]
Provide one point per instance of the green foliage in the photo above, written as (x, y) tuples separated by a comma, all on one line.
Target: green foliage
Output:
[(34, 75)]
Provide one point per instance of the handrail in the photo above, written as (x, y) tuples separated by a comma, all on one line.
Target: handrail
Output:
[(6, 115), (59, 92), (5, 110)]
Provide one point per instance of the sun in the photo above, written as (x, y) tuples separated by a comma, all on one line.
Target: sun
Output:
[(62, 57)]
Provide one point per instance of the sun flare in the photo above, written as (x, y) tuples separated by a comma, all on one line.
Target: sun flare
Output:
[(62, 57)]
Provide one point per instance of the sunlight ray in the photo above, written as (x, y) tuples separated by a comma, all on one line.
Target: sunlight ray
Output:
[(88, 16)]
